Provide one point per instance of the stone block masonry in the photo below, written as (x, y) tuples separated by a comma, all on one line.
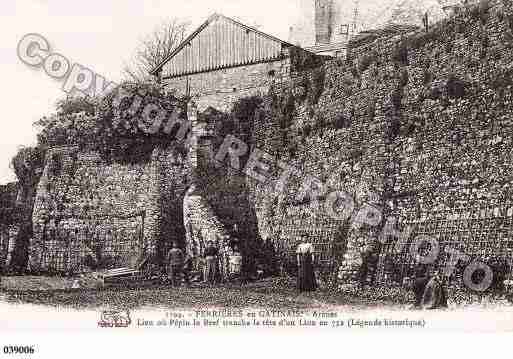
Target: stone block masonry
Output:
[(220, 89), (95, 213), (417, 125), (113, 213), (217, 206)]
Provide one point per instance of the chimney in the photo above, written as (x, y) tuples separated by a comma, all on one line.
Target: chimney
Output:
[(323, 17)]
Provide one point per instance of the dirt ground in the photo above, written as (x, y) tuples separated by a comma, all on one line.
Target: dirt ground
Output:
[(278, 293)]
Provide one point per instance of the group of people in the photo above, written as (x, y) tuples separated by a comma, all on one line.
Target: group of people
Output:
[(429, 287), (212, 266)]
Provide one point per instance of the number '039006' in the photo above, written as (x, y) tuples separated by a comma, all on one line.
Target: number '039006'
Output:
[(15, 349)]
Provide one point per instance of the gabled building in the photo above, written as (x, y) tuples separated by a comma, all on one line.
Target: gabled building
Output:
[(223, 60)]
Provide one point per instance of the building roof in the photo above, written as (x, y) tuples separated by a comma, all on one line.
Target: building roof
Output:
[(327, 47), (220, 42), (367, 36)]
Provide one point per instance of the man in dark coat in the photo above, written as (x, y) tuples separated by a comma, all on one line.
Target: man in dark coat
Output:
[(435, 293), (369, 262), (420, 281), (175, 261)]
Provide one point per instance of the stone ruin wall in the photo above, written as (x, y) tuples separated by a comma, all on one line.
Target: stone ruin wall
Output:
[(8, 235), (391, 129), (118, 212), (221, 88), (217, 205), (115, 211), (384, 126), (224, 198), (449, 169)]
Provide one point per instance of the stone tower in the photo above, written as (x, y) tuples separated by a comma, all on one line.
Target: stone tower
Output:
[(323, 21), (324, 26)]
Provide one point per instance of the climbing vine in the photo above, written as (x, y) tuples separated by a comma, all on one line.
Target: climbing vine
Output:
[(115, 125)]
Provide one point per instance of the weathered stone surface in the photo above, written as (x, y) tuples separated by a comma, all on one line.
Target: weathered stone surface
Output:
[(424, 131), (111, 211), (417, 125)]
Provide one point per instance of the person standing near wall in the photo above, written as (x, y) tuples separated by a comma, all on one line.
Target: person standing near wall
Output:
[(70, 244), (306, 281), (235, 262), (235, 241), (419, 283), (435, 293), (369, 262), (430, 290), (225, 258), (211, 263), (61, 249), (175, 261)]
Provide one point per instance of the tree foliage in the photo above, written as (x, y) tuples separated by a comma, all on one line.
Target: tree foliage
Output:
[(116, 125), (72, 123), (133, 123), (27, 164), (244, 108), (154, 48)]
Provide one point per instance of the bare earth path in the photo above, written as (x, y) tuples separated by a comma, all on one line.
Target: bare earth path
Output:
[(81, 307), (279, 293)]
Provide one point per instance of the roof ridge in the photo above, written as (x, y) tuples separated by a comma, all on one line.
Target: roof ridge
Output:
[(200, 28)]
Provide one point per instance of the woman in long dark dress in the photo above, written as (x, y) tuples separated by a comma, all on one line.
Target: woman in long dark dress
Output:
[(305, 259)]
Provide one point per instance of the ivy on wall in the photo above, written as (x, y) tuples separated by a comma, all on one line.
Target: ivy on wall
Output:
[(301, 60), (115, 125)]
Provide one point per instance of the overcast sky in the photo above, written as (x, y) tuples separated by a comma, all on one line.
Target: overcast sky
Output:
[(101, 35)]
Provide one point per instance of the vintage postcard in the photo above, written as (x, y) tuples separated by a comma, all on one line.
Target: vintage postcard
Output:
[(318, 166)]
